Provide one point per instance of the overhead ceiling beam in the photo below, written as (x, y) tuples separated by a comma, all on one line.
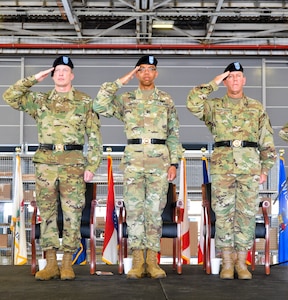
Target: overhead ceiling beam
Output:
[(249, 26), (103, 32), (161, 4), (28, 33), (132, 11), (72, 18), (213, 20), (128, 4)]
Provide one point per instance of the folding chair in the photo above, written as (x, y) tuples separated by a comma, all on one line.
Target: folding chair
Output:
[(171, 218), (261, 230)]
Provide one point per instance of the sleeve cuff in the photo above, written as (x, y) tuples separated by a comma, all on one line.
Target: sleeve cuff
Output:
[(174, 165)]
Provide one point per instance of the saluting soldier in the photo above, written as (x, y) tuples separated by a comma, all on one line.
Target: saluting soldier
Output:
[(243, 154), (64, 118), (150, 158)]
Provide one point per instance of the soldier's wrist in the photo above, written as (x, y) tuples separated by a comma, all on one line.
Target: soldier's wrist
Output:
[(174, 165)]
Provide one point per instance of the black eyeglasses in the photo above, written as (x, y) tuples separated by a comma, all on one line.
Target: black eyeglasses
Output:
[(149, 69)]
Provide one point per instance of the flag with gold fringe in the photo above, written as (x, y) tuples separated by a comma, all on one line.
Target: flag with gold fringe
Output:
[(79, 257), (18, 217), (110, 245)]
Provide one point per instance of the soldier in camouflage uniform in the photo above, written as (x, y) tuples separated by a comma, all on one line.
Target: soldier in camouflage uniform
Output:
[(64, 117), (243, 154), (150, 158)]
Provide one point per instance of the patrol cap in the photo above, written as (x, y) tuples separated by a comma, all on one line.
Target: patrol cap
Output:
[(147, 60), (235, 66), (62, 60)]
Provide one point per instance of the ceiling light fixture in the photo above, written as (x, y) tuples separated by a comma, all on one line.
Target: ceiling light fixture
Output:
[(162, 24)]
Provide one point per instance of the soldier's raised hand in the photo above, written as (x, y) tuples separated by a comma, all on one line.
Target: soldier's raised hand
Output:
[(43, 74), (219, 78), (126, 78)]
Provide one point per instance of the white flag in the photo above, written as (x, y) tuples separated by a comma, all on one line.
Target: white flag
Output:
[(18, 217)]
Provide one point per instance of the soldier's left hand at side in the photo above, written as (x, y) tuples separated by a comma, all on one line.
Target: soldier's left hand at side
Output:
[(88, 176), (263, 178), (172, 173)]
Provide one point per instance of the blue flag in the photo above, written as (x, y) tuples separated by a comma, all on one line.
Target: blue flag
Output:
[(79, 257), (201, 242), (205, 169), (283, 214)]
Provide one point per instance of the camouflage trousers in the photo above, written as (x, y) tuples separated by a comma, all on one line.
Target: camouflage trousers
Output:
[(145, 196), (69, 182), (235, 203)]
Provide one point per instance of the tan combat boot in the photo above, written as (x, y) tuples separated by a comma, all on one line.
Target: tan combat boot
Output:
[(66, 270), (51, 270), (138, 265), (153, 269), (241, 267), (227, 270)]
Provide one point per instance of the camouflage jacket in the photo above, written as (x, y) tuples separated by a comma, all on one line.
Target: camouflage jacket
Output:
[(59, 120), (246, 121), (155, 117)]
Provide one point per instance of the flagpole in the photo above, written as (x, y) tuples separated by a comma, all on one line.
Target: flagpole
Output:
[(184, 218), (18, 151), (110, 243)]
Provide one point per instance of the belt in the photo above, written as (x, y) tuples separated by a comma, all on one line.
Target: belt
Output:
[(145, 141), (236, 144), (60, 147)]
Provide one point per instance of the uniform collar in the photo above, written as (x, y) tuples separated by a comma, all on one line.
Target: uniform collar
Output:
[(227, 102), (70, 93)]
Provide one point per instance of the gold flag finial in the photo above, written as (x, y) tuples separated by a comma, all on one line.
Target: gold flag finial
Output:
[(203, 150), (18, 150), (281, 152)]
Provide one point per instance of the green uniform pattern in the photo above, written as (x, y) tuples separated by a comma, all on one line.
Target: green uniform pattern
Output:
[(60, 120), (235, 171), (145, 166), (283, 133)]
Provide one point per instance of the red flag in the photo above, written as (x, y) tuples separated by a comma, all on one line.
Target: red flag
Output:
[(110, 246), (249, 258), (201, 241), (185, 238), (18, 217)]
